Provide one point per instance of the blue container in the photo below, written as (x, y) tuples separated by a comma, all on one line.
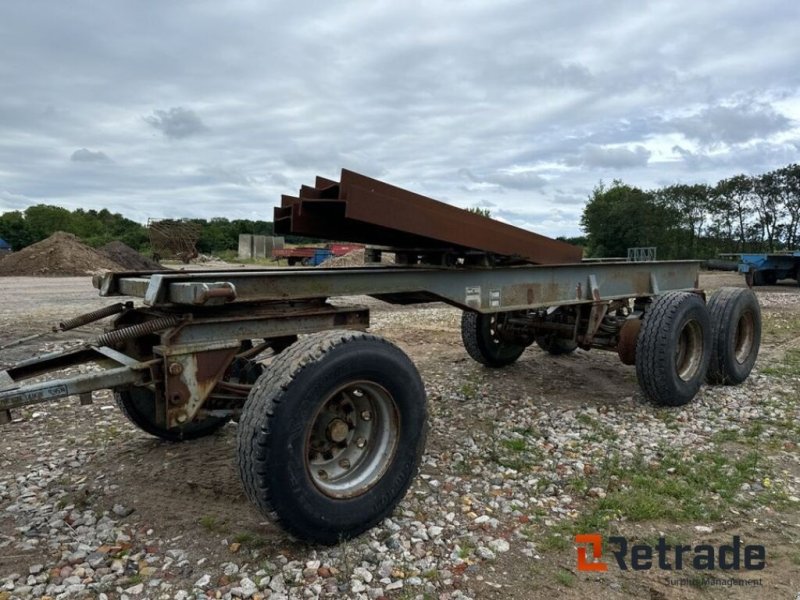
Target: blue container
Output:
[(320, 256)]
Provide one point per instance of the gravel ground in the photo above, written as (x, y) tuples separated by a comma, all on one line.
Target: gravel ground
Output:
[(518, 460)]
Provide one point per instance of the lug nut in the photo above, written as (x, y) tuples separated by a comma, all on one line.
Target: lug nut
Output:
[(344, 463), (361, 442), (366, 415), (322, 474)]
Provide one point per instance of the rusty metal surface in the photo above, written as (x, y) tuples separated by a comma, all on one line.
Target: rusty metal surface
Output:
[(628, 335), (362, 209), (485, 290)]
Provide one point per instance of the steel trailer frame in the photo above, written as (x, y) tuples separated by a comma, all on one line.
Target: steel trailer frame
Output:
[(183, 358)]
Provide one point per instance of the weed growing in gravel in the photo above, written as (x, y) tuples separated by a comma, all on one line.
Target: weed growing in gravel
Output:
[(465, 549), (212, 524), (513, 452), (565, 578), (250, 540), (469, 390), (554, 540)]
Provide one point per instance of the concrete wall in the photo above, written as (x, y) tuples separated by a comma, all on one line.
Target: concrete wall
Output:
[(258, 246), (245, 245)]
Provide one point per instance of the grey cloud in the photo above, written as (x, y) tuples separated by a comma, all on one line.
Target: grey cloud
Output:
[(9, 201), (732, 124), (516, 181), (86, 155), (177, 122), (232, 175), (750, 159), (594, 155)]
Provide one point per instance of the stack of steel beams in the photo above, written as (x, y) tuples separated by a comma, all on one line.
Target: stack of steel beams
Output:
[(361, 209)]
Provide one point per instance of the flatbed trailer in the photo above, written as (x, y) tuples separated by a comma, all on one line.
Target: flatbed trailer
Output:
[(331, 429), (768, 269)]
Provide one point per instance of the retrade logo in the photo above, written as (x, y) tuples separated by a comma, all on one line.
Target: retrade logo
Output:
[(643, 557)]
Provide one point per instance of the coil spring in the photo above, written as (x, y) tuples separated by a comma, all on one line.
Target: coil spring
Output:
[(89, 317), (112, 338)]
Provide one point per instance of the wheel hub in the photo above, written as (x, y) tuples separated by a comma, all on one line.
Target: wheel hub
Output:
[(337, 431), (352, 439)]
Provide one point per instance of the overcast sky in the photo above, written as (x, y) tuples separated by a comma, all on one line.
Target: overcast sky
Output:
[(203, 109)]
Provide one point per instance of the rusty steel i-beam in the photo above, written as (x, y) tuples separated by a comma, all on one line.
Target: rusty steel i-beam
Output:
[(362, 209)]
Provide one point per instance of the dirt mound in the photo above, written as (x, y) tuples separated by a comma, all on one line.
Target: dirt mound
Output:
[(128, 258), (355, 259), (60, 254)]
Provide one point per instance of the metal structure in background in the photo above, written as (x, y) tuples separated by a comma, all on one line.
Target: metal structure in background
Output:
[(361, 209), (173, 238), (768, 269), (643, 254)]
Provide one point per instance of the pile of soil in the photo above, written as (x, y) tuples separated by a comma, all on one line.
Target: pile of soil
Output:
[(355, 259), (60, 254), (128, 258)]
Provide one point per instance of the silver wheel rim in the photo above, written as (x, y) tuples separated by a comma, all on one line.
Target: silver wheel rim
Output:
[(689, 351), (352, 439), (745, 334)]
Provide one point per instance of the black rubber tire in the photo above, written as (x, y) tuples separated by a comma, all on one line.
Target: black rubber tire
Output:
[(735, 335), (277, 423), (138, 405), (280, 344), (482, 344), (556, 345), (676, 319)]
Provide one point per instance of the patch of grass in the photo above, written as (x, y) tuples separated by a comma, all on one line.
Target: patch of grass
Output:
[(462, 467), (555, 540), (465, 549), (469, 390), (515, 445), (565, 578), (250, 540), (211, 523), (788, 367), (676, 489), (726, 435)]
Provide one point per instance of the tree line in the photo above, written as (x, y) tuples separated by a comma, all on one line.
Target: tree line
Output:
[(743, 213), (98, 227), (740, 214)]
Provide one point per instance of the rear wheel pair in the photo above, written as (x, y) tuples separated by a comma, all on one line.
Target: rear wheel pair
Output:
[(684, 341)]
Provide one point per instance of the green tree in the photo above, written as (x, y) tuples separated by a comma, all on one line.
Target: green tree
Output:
[(621, 217), (14, 229), (691, 204)]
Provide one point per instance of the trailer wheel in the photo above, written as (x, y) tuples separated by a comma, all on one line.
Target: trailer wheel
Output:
[(483, 342), (673, 348), (555, 345), (735, 335), (332, 435), (138, 404)]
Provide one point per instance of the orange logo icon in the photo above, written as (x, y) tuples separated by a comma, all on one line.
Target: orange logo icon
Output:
[(595, 540)]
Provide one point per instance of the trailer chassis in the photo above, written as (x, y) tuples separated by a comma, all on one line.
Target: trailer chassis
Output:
[(331, 430)]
